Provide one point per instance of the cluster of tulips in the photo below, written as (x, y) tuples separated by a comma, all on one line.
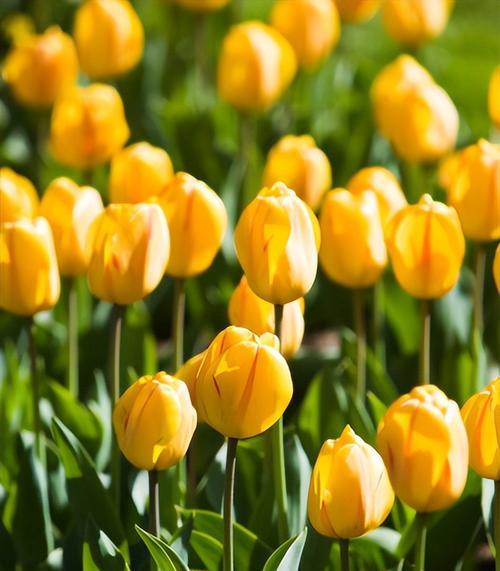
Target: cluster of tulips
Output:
[(160, 222)]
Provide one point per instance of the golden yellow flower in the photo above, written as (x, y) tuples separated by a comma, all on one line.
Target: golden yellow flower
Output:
[(18, 197)]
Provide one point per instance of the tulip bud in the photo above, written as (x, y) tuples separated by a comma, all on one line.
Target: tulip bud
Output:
[(29, 278), (474, 191), (70, 211), (352, 249), (481, 416), (385, 185), (277, 240), (350, 493), (423, 442), (302, 166), (18, 197), (188, 373), (356, 10), (154, 422), (413, 22), (426, 246), (40, 67), (311, 26), (250, 311), (197, 221), (256, 65), (496, 268), (494, 97), (139, 172), (243, 385), (109, 37), (88, 126), (130, 249), (202, 5)]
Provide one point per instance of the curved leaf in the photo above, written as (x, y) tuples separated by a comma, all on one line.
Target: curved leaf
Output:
[(287, 556), (165, 557)]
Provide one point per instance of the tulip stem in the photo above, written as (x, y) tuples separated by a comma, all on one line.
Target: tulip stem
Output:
[(496, 524), (420, 541), (72, 338), (425, 343), (344, 555), (178, 322), (154, 504), (232, 445), (378, 321), (35, 384), (477, 316), (359, 325), (247, 128)]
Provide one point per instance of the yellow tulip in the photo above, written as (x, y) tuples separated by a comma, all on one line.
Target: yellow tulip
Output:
[(154, 422), (70, 211), (474, 191), (18, 197), (109, 37), (256, 65), (352, 249), (302, 166), (139, 172), (426, 246), (246, 309), (243, 385), (88, 126), (277, 239), (386, 187), (188, 373), (130, 249), (29, 278), (496, 268), (350, 493), (481, 416), (494, 97), (413, 22), (356, 10), (423, 442), (40, 67), (202, 5), (311, 26), (197, 221), (447, 169)]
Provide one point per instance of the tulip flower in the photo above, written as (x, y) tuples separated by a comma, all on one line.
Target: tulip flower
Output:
[(302, 166), (109, 37), (18, 197), (139, 172), (246, 309), (277, 239), (350, 493), (494, 97), (40, 67), (188, 372), (356, 10), (311, 26), (202, 5), (88, 126), (496, 268), (413, 22), (256, 65), (447, 169)]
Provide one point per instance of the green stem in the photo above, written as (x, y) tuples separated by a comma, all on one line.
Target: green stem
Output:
[(178, 322), (344, 555), (35, 384), (477, 317), (425, 343), (359, 325), (200, 41), (232, 445), (72, 338), (496, 524), (378, 322), (154, 504), (246, 144), (420, 541), (88, 177)]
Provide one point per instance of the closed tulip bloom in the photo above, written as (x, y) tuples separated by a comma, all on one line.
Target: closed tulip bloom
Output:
[(202, 5), (246, 309), (277, 239), (423, 442), (243, 385), (29, 278), (40, 67), (350, 493), (481, 416), (154, 422), (197, 221), (311, 26), (18, 197), (496, 268), (302, 166), (109, 37), (426, 246), (474, 191), (385, 185), (256, 65), (494, 97), (139, 172), (70, 210), (447, 170), (88, 126), (353, 251), (355, 11), (413, 22), (130, 249)]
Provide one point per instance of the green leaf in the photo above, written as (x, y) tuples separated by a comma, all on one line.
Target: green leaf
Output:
[(287, 556), (208, 549), (7, 549), (164, 556), (487, 497), (402, 314), (298, 475), (100, 553), (377, 406)]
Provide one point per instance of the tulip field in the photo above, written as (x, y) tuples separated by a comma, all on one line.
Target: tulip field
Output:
[(249, 285)]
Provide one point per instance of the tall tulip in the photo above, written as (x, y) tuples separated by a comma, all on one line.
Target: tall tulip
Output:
[(18, 197), (356, 10)]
